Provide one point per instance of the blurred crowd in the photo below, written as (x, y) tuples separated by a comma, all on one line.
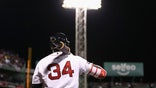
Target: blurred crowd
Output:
[(11, 70), (10, 59)]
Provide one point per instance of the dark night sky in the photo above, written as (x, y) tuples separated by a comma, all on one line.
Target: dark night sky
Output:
[(120, 31)]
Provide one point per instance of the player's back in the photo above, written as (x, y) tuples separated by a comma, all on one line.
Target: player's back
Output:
[(63, 71)]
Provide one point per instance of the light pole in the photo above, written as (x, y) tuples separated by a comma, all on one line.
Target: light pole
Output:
[(81, 7)]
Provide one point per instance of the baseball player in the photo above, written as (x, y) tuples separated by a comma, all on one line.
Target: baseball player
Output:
[(61, 69)]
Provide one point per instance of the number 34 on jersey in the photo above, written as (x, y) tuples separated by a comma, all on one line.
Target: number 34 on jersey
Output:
[(56, 72)]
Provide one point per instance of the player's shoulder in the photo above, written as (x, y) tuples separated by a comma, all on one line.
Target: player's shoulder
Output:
[(73, 56), (52, 55), (49, 57), (76, 57), (55, 53)]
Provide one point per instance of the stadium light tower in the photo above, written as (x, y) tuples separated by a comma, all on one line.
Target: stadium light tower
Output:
[(81, 7)]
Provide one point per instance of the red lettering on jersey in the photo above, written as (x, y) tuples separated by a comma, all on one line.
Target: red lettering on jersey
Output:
[(57, 70), (66, 70)]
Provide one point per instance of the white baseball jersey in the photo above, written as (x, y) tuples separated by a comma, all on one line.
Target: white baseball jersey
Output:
[(60, 71)]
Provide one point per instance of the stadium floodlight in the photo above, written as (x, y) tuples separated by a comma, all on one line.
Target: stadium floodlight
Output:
[(89, 4), (81, 7)]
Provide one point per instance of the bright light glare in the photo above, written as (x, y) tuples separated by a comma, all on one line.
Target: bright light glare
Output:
[(89, 4)]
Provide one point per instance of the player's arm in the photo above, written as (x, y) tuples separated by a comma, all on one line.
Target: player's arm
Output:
[(97, 71), (36, 78)]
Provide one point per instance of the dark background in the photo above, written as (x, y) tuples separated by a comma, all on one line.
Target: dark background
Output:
[(120, 31)]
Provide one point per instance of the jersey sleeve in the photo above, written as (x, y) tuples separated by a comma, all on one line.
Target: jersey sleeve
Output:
[(92, 69), (36, 78), (84, 65)]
